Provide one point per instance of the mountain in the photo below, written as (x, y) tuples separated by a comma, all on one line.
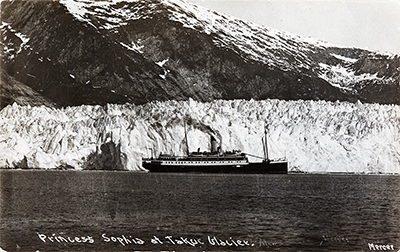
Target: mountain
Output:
[(13, 91), (75, 52)]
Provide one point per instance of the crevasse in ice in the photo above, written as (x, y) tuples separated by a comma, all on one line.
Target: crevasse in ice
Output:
[(314, 136)]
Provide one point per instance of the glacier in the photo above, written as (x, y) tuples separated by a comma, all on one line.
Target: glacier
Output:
[(314, 136)]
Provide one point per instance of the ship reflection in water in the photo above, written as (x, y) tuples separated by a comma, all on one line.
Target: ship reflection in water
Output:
[(215, 161)]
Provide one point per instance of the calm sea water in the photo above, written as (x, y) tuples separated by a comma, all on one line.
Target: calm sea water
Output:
[(126, 211)]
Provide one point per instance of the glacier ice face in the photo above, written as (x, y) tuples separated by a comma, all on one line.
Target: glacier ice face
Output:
[(314, 136)]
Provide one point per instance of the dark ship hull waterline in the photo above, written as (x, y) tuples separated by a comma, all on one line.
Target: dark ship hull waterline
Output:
[(222, 166), (215, 162)]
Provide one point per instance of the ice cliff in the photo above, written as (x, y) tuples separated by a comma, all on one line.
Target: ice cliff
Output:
[(315, 136)]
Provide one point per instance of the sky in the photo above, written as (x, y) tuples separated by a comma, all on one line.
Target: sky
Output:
[(367, 24)]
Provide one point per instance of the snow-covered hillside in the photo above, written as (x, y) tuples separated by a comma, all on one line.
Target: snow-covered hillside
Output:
[(249, 39), (76, 52), (252, 41), (315, 136)]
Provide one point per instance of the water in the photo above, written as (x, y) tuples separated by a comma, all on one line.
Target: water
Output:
[(126, 211)]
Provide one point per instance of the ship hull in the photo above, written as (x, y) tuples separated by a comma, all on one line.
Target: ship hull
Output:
[(251, 168)]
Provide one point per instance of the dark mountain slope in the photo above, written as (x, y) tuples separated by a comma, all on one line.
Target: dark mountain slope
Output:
[(80, 52), (12, 91), (71, 63)]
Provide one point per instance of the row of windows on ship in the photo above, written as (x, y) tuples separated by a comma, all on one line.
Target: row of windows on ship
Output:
[(203, 162)]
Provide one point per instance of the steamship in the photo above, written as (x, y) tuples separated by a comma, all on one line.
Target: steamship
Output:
[(216, 161)]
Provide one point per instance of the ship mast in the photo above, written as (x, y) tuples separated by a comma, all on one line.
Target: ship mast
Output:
[(186, 139), (265, 145)]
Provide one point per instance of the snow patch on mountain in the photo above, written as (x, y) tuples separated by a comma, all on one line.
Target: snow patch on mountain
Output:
[(345, 78), (107, 15), (314, 136), (162, 62), (345, 59), (24, 40), (136, 47), (10, 50), (166, 71)]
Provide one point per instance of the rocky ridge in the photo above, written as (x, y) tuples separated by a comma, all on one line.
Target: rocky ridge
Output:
[(98, 52)]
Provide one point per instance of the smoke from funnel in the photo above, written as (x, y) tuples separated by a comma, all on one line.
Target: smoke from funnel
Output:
[(215, 136)]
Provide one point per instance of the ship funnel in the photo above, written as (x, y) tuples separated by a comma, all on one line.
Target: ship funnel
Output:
[(213, 144)]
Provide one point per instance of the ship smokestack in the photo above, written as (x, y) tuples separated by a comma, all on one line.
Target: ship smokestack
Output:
[(213, 144)]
